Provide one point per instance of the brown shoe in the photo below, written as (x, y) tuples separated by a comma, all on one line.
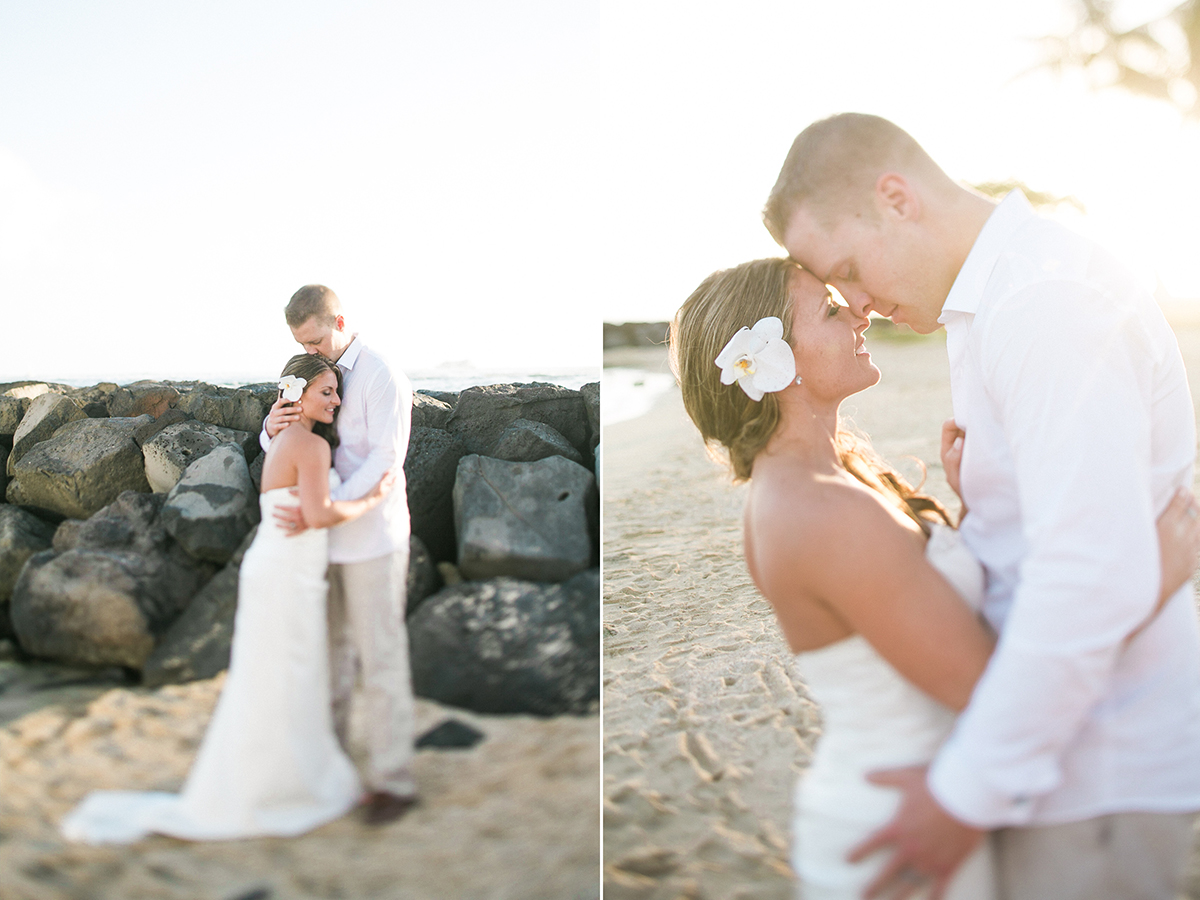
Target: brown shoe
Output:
[(382, 807)]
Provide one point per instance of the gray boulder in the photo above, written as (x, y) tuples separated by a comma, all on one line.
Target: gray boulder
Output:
[(84, 467), (22, 534), (256, 468), (47, 413), (171, 417), (94, 400), (429, 412), (82, 607), (242, 409), (423, 579), (482, 413), (450, 398), (509, 646), (524, 520), (169, 452), (15, 397), (213, 505), (152, 398), (197, 645), (591, 404), (134, 523), (429, 471), (526, 441), (109, 586)]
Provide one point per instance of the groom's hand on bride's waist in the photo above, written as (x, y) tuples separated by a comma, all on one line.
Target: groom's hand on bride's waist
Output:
[(291, 518), (928, 843)]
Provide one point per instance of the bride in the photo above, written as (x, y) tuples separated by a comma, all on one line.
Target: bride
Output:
[(873, 590), (269, 763)]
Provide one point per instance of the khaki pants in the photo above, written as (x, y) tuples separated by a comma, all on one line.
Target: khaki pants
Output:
[(1126, 856), (367, 634)]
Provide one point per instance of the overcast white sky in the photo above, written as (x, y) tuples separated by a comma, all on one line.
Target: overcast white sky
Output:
[(488, 181)]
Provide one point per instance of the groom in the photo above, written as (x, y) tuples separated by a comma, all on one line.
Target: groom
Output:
[(368, 556), (1081, 748)]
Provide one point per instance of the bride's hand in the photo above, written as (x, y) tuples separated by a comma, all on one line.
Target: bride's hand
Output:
[(1178, 541), (1178, 549), (952, 450), (383, 487)]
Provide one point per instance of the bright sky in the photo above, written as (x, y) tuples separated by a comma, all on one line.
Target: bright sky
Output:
[(488, 181)]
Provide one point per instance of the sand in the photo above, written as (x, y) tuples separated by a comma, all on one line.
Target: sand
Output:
[(515, 817), (705, 727)]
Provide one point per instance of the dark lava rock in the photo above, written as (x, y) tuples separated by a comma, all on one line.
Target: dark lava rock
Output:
[(482, 413), (524, 520), (430, 467), (84, 467), (509, 646), (526, 441)]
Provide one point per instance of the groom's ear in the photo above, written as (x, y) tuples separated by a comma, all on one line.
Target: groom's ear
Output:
[(339, 323), (895, 197)]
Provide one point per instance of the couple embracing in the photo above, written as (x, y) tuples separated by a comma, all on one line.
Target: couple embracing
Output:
[(321, 595), (1012, 707)]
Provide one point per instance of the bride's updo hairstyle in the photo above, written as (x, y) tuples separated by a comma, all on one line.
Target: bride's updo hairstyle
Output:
[(311, 366), (728, 420), (724, 303)]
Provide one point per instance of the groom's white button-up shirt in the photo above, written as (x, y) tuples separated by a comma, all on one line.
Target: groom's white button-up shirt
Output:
[(1080, 425), (373, 426)]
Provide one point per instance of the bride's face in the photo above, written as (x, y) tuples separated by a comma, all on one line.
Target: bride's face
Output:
[(320, 398), (831, 355)]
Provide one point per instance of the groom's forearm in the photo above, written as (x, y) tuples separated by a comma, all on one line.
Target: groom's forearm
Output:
[(1076, 419), (389, 411)]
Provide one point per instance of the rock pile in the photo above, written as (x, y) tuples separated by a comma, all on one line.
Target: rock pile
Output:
[(128, 509), (635, 334)]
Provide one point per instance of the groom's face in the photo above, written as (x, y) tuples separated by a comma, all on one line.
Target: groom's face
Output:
[(317, 337), (871, 262)]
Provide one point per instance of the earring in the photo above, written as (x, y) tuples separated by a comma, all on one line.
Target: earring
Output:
[(799, 380)]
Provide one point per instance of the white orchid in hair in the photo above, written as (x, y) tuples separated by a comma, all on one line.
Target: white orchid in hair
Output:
[(292, 387), (758, 359)]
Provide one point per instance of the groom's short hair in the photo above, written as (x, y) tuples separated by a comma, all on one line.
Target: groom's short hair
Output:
[(833, 165), (312, 300)]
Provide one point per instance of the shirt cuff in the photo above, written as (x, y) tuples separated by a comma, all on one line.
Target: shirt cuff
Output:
[(263, 440), (964, 793)]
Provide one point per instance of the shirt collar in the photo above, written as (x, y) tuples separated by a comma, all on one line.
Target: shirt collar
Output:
[(350, 355), (1011, 213)]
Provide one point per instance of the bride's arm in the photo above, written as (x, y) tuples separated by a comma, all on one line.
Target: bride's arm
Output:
[(848, 552), (312, 467)]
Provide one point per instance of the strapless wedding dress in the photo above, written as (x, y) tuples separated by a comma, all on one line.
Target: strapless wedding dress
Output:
[(269, 763), (873, 719)]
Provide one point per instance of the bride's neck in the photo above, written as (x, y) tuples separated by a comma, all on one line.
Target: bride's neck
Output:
[(807, 431)]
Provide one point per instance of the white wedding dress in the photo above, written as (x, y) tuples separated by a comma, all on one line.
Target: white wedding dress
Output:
[(269, 763), (873, 719)]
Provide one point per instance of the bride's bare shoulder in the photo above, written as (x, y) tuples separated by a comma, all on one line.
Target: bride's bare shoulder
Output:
[(797, 524), (297, 443), (795, 501)]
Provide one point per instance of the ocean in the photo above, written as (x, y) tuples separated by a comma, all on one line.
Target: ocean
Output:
[(629, 393)]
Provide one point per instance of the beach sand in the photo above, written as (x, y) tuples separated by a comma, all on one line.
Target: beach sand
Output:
[(515, 817), (705, 728)]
